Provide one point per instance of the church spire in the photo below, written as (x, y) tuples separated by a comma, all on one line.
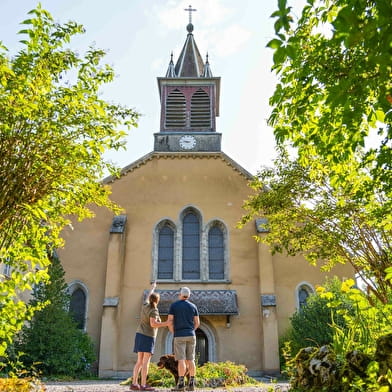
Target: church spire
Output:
[(207, 70), (170, 73), (190, 63)]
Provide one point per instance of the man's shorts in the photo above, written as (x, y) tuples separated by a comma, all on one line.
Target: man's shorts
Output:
[(184, 347)]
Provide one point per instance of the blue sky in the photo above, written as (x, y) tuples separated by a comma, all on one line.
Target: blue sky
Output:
[(139, 36)]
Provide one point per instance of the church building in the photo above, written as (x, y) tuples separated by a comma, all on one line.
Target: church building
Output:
[(181, 205)]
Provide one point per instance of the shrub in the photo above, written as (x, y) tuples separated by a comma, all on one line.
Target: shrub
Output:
[(21, 385), (52, 340), (359, 358), (227, 374), (211, 375), (312, 324)]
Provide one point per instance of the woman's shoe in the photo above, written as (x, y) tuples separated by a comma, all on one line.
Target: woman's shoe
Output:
[(146, 388), (135, 387)]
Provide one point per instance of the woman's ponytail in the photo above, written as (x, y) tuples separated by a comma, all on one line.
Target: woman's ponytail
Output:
[(154, 299)]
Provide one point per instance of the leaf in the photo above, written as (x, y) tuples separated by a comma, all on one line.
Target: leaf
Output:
[(280, 55), (282, 4), (274, 43)]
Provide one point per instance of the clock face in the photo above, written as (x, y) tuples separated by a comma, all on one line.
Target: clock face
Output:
[(187, 142)]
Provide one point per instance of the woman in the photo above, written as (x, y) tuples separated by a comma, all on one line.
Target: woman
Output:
[(145, 339)]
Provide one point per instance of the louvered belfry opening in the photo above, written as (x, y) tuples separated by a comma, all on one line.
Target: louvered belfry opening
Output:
[(175, 110), (200, 110)]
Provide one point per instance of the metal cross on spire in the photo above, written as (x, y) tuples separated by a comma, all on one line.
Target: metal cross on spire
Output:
[(190, 10)]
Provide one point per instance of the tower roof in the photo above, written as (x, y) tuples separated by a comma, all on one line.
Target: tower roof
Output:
[(170, 73), (190, 63)]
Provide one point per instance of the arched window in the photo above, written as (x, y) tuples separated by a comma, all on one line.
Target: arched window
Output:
[(190, 250), (165, 252), (216, 254), (77, 307), (175, 110), (191, 247), (200, 110), (304, 290)]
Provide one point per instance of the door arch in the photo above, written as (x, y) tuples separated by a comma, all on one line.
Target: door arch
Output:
[(210, 342), (201, 347)]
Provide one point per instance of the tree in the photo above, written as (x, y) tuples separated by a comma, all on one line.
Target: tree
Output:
[(54, 131), (306, 215), (52, 340), (335, 88), (334, 94)]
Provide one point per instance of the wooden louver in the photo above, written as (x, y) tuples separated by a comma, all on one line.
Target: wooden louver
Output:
[(175, 110), (200, 110)]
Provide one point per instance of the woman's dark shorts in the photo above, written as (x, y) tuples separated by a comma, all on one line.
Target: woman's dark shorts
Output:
[(143, 344)]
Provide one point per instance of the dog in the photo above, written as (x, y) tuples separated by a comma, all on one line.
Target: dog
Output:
[(170, 363)]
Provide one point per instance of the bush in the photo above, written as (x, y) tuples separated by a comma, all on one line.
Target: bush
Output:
[(222, 374), (211, 375), (359, 358), (21, 385), (312, 324)]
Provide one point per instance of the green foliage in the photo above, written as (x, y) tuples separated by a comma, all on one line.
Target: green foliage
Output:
[(333, 202), (19, 379), (312, 324), (21, 385), (54, 130), (359, 357), (335, 88), (370, 320), (51, 341), (307, 215), (209, 375), (227, 374)]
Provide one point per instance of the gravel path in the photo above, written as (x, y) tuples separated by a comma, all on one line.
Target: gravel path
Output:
[(114, 386)]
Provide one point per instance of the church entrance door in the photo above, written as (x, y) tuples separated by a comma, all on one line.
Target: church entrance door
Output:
[(201, 347)]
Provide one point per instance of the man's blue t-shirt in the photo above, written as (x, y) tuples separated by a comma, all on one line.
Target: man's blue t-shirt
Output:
[(183, 312)]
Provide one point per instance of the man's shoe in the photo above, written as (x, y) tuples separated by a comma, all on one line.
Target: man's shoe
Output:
[(191, 385), (178, 388)]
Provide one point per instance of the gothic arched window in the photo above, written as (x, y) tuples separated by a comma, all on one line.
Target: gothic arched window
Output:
[(190, 246), (77, 307), (190, 250), (216, 254), (303, 292), (165, 252)]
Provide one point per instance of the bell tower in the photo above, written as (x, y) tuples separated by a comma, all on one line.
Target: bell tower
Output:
[(189, 95)]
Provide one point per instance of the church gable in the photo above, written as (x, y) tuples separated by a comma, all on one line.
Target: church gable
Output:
[(181, 156)]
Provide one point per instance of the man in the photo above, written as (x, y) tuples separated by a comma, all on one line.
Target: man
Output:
[(184, 320)]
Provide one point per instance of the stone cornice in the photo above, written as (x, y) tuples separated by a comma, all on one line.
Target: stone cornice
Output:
[(181, 155)]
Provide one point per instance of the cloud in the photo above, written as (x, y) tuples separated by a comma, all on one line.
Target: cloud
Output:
[(172, 15), (230, 40), (216, 27)]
